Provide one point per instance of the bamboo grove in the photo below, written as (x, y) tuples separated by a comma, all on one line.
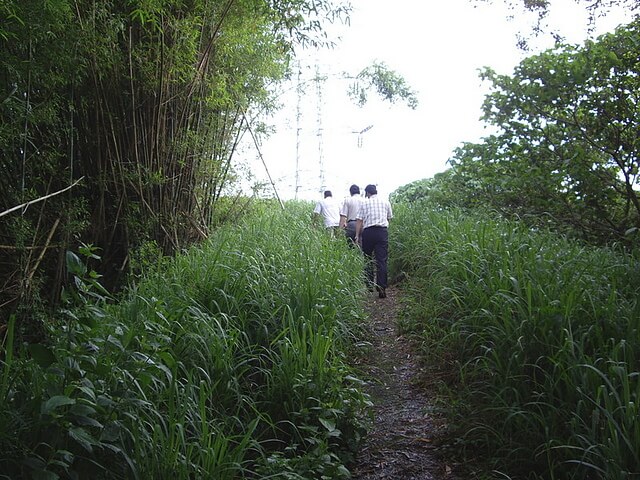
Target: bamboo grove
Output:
[(139, 107)]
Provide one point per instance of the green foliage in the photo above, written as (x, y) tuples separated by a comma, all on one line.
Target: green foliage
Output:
[(146, 259), (413, 191), (227, 360), (594, 8), (388, 84), (565, 152), (542, 336), (144, 99)]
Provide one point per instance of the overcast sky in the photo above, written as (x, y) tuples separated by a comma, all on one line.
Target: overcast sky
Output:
[(438, 50)]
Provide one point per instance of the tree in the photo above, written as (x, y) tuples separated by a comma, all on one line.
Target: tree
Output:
[(594, 8), (568, 137), (542, 6), (389, 85)]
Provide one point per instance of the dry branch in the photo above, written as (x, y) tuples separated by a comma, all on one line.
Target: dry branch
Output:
[(31, 202)]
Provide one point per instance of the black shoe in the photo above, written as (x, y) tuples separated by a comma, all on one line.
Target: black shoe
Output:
[(382, 293)]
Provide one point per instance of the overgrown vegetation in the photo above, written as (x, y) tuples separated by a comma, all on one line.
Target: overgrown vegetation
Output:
[(145, 102), (522, 262), (224, 362), (119, 122), (539, 335), (566, 152)]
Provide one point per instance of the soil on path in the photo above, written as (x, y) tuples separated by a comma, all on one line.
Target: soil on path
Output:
[(402, 442)]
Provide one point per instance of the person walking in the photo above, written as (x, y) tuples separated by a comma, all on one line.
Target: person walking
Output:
[(329, 210), (372, 222), (348, 211)]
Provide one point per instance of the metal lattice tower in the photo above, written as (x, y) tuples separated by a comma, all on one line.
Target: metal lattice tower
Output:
[(318, 81), (298, 131)]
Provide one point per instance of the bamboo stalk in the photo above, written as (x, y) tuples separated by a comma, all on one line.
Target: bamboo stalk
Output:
[(32, 247), (41, 256), (31, 202)]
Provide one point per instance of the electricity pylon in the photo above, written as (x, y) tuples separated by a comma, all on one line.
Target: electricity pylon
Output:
[(319, 125)]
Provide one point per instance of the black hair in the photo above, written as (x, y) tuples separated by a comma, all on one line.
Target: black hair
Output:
[(371, 189)]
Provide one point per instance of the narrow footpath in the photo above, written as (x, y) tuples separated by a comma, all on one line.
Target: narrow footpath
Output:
[(402, 442)]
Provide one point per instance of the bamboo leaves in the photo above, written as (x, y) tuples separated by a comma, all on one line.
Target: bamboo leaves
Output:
[(387, 83), (145, 99)]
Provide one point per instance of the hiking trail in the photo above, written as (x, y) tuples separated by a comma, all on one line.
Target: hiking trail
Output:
[(402, 442)]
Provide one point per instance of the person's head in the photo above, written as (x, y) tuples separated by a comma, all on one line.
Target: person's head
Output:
[(370, 190), (327, 193), (354, 190)]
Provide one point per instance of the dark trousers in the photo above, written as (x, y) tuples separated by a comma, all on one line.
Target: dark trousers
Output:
[(350, 233), (375, 244)]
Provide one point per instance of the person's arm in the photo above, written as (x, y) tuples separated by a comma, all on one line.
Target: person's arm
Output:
[(316, 215), (358, 229), (343, 214)]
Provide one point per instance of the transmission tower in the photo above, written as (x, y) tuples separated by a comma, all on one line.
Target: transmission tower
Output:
[(298, 130), (318, 80), (360, 132)]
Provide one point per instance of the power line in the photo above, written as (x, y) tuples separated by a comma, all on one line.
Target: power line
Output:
[(255, 142)]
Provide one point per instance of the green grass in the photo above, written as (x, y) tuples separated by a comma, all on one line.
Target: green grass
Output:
[(543, 332), (227, 361)]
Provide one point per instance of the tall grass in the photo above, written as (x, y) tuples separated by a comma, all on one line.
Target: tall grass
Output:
[(545, 336), (224, 362)]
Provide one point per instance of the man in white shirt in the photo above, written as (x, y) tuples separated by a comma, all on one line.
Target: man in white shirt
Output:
[(371, 230), (329, 210), (348, 212)]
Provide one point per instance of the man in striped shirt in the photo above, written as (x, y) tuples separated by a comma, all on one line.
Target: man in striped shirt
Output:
[(371, 230)]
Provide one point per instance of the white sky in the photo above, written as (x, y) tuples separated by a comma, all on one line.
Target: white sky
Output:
[(438, 49)]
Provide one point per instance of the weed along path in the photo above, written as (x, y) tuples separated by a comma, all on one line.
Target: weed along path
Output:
[(402, 442)]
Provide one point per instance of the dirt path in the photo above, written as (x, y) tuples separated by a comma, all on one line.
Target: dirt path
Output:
[(402, 442)]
